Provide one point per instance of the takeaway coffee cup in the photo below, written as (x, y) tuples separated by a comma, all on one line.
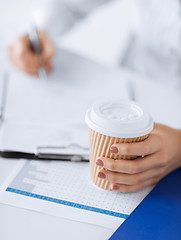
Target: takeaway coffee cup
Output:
[(114, 122)]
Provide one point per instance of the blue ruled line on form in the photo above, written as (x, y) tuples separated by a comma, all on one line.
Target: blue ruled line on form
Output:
[(67, 203)]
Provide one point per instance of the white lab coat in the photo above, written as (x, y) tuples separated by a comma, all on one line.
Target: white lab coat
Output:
[(155, 47)]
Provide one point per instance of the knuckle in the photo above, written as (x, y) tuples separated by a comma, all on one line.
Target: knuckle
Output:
[(21, 53), (126, 149), (112, 178), (147, 149), (125, 188), (163, 161), (21, 50), (161, 171), (133, 168), (48, 55), (135, 181), (112, 165), (160, 141), (51, 52), (130, 168), (25, 65), (156, 180)]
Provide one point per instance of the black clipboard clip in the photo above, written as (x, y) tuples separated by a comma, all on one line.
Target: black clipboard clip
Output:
[(72, 152)]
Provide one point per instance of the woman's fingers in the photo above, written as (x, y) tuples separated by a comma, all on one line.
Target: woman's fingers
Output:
[(130, 179), (137, 165), (133, 188), (30, 64), (26, 66), (151, 145), (161, 153), (23, 58), (48, 50)]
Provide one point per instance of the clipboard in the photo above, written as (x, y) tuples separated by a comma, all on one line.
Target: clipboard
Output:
[(34, 126)]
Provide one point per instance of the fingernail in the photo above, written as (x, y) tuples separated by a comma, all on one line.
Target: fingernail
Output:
[(101, 175), (115, 187), (113, 150), (99, 162)]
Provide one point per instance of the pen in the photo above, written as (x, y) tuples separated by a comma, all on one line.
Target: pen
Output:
[(36, 47)]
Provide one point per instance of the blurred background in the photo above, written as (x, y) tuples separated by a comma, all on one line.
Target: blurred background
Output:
[(143, 36), (101, 32)]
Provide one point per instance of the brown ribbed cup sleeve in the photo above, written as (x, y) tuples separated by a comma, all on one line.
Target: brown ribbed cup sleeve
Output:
[(100, 147)]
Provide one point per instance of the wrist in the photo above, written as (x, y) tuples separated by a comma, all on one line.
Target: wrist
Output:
[(178, 142)]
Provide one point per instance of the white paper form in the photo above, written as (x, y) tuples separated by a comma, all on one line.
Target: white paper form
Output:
[(51, 113), (64, 189)]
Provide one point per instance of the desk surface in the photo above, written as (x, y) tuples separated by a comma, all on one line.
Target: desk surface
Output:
[(23, 224)]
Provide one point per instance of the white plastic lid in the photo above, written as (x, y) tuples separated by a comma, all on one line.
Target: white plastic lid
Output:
[(122, 119)]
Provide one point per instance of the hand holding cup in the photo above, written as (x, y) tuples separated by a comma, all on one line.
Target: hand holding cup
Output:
[(158, 155)]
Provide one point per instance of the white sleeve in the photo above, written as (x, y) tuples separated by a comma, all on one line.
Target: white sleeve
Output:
[(160, 24), (57, 16)]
